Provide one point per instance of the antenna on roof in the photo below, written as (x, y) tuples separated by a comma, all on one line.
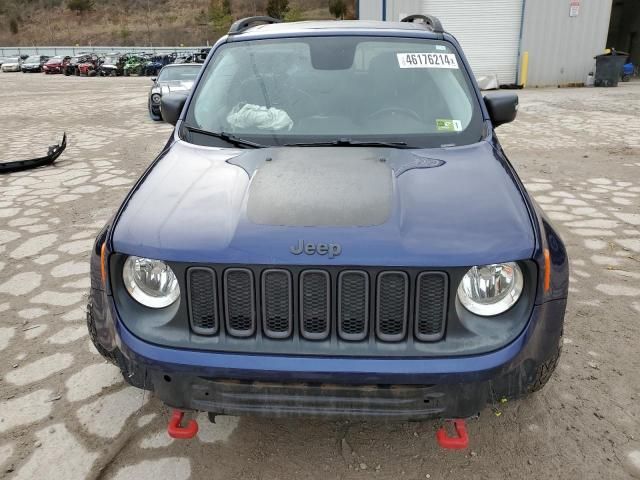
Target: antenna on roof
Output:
[(428, 20), (241, 25)]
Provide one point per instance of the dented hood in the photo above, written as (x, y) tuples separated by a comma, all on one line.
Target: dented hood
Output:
[(381, 206)]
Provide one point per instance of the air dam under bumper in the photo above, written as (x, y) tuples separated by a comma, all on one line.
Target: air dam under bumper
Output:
[(457, 387)]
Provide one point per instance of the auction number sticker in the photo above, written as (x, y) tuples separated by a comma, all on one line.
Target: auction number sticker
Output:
[(427, 60)]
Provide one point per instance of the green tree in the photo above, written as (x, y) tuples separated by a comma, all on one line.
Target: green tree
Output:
[(226, 7), (219, 15), (294, 14), (13, 26), (277, 8), (338, 8), (80, 6)]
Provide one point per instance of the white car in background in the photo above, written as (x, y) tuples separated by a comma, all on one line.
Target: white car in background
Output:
[(12, 64)]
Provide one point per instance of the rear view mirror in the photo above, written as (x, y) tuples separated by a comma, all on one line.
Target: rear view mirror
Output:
[(171, 106), (502, 107)]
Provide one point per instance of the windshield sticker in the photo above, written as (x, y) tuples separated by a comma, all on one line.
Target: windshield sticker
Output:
[(427, 60), (444, 125)]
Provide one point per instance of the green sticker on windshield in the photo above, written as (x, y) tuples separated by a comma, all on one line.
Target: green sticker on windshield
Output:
[(444, 125)]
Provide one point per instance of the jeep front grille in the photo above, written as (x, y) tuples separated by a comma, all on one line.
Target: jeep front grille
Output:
[(321, 304)]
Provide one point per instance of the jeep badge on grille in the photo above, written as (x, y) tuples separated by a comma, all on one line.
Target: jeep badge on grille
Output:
[(309, 248)]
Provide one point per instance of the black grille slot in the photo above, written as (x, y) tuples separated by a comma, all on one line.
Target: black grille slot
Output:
[(353, 305), (431, 301), (315, 304), (239, 302), (203, 301), (277, 302), (392, 305)]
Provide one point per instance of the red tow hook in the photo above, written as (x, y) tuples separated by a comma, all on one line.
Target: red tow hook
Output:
[(176, 431), (454, 443)]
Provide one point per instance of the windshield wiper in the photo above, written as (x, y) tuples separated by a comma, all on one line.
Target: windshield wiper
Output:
[(347, 142), (227, 137)]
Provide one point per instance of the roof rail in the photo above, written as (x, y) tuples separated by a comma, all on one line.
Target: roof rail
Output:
[(241, 25), (429, 20)]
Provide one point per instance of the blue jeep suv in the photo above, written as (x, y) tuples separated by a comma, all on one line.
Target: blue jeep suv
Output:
[(332, 229)]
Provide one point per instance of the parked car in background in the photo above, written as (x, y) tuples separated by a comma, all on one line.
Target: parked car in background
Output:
[(34, 64), (135, 64), (172, 78), (72, 66), (12, 64), (112, 65), (56, 64), (89, 67), (156, 62)]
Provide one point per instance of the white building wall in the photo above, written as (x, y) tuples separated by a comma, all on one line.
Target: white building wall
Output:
[(561, 48), (369, 9)]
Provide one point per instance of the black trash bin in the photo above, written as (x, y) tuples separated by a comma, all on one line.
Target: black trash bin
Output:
[(609, 68)]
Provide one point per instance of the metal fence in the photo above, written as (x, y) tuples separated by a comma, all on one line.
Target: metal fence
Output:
[(71, 51)]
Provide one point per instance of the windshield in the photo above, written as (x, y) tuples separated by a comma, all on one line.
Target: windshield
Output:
[(320, 89), (11, 60), (184, 73), (32, 59), (111, 60)]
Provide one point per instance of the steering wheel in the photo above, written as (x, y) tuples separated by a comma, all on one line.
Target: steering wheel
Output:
[(407, 112)]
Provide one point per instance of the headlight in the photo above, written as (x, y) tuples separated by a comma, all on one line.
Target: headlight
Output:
[(155, 98), (151, 282), (491, 289)]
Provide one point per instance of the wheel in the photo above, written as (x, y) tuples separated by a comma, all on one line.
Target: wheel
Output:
[(626, 78), (93, 335), (545, 370), (156, 117)]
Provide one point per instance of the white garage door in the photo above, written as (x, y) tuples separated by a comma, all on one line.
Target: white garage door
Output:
[(488, 30)]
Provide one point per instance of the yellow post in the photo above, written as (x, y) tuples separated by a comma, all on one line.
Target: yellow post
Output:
[(524, 69)]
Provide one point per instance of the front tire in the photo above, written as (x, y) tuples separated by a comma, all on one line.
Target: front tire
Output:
[(93, 335), (545, 370), (134, 375)]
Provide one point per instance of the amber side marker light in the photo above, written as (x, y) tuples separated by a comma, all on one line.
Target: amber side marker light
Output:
[(103, 266), (547, 271)]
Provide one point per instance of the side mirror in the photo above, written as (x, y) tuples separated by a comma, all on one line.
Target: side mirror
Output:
[(171, 106), (153, 79), (502, 107)]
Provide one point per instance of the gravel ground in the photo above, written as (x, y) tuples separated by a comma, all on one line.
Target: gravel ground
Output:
[(65, 413)]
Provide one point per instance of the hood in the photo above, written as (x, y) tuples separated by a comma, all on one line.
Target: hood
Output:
[(176, 86), (384, 207)]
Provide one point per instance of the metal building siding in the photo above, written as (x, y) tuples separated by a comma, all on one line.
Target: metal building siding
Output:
[(398, 9), (370, 9), (561, 48), (488, 30)]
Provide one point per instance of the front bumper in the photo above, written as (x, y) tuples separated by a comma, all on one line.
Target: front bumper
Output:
[(416, 388)]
